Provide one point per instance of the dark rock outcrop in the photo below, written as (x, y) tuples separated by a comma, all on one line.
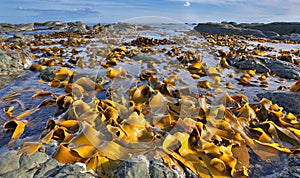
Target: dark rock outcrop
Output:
[(276, 30), (7, 27), (288, 100), (262, 64)]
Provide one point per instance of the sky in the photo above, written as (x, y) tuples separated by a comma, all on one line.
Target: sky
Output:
[(110, 11)]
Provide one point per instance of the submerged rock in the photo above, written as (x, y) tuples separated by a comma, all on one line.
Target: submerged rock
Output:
[(288, 100)]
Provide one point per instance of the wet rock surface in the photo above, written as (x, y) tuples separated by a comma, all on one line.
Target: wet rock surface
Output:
[(286, 99), (280, 68)]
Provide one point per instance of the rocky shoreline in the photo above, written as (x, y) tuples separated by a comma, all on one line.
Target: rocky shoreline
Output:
[(275, 30), (15, 62)]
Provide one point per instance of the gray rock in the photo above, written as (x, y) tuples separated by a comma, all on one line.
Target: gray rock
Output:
[(49, 168), (32, 161), (10, 63), (122, 28), (49, 73), (288, 100), (291, 168), (225, 28), (21, 39), (20, 174), (9, 162), (252, 64), (274, 29), (281, 68), (282, 28), (77, 27), (6, 27), (136, 166), (48, 23), (72, 171), (159, 169)]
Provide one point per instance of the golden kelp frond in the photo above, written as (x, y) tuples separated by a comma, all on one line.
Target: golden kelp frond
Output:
[(63, 74), (17, 127), (116, 73), (43, 93), (29, 148), (104, 166), (88, 85), (295, 86), (66, 155)]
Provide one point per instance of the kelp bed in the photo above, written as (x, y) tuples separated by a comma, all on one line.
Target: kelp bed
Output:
[(102, 121)]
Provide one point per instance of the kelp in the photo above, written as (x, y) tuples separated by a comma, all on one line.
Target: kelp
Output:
[(157, 115)]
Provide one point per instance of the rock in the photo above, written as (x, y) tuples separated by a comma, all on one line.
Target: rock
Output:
[(282, 28), (9, 162), (72, 171), (159, 169), (50, 167), (251, 65), (280, 68), (291, 168), (10, 63), (29, 162), (98, 27), (271, 30), (136, 166), (48, 74), (20, 39), (225, 28), (48, 23), (122, 28), (76, 27), (288, 100), (20, 174), (6, 27)]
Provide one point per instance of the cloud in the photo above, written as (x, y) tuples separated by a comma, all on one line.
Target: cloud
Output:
[(61, 13), (187, 4)]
